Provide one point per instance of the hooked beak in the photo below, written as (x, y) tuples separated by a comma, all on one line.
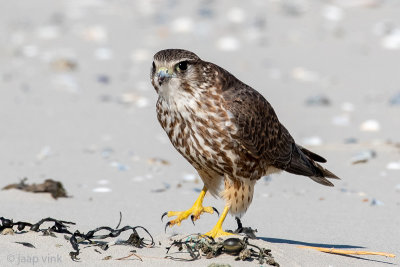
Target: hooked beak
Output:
[(162, 74)]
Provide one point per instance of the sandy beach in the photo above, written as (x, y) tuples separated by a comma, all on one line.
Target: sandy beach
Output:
[(77, 106)]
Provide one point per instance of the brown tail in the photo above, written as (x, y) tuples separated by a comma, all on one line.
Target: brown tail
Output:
[(304, 163)]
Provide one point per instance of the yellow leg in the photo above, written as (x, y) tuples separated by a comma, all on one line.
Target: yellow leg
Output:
[(217, 230), (196, 210)]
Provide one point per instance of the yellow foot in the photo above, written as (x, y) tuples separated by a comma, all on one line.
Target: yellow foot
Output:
[(195, 211), (217, 232)]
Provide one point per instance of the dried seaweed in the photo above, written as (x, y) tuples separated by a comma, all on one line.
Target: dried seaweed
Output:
[(77, 238), (199, 245), (55, 188)]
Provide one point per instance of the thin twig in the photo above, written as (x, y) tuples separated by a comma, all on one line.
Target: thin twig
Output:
[(349, 252)]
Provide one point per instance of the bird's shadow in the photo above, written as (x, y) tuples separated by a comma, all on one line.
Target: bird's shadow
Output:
[(336, 246), (301, 243)]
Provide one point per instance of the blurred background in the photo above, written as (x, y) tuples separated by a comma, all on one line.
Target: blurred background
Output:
[(77, 105)]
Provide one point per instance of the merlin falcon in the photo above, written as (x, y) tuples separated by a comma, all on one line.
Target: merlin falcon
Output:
[(226, 130)]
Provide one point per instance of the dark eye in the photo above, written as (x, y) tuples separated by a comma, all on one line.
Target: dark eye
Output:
[(154, 65), (183, 65)]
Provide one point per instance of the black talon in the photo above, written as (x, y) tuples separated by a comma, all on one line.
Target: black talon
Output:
[(162, 216), (192, 218), (168, 224), (216, 210)]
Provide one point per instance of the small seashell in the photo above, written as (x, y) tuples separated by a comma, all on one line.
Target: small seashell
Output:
[(7, 231), (138, 179), (48, 32), (236, 15), (30, 51), (103, 53), (393, 165), (341, 120), (363, 156), (44, 153), (312, 141), (370, 126), (141, 55), (304, 75), (182, 25), (189, 177), (95, 33), (332, 13), (101, 190), (347, 107), (392, 40), (228, 43)]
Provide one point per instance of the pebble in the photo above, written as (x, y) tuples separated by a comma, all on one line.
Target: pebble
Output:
[(106, 152), (101, 190), (295, 7), (393, 165), (119, 166), (398, 187), (103, 78), (376, 202), (363, 156), (370, 126), (312, 141), (228, 43), (158, 161), (64, 64), (318, 100), (351, 140), (395, 100), (163, 189)]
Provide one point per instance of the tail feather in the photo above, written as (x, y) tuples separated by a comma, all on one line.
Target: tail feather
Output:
[(303, 163)]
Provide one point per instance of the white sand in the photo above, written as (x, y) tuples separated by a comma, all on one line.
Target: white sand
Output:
[(68, 126)]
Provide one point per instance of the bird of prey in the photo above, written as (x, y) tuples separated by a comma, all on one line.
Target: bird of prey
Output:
[(226, 130)]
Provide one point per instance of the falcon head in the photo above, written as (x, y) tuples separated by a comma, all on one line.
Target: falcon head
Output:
[(175, 72)]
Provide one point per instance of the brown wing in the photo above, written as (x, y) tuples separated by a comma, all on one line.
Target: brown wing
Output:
[(260, 131), (263, 136)]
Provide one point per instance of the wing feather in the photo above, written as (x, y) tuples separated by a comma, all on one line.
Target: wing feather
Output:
[(259, 130)]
